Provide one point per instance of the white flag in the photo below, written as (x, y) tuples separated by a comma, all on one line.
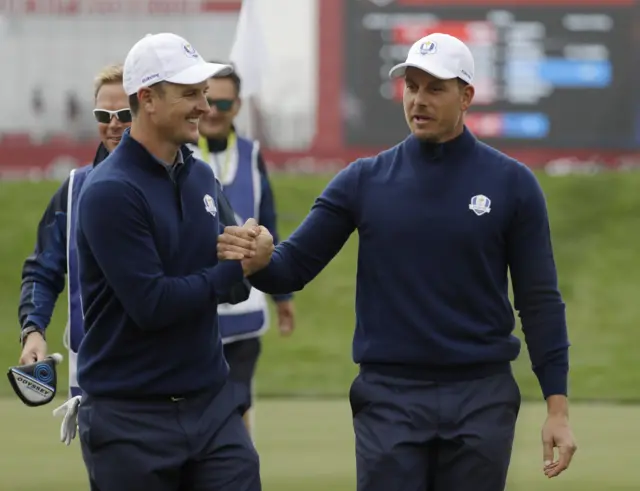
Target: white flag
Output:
[(248, 53)]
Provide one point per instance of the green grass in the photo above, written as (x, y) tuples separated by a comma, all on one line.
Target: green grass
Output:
[(309, 445), (596, 229)]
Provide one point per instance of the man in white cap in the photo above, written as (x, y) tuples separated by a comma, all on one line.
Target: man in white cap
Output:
[(441, 218), (157, 411)]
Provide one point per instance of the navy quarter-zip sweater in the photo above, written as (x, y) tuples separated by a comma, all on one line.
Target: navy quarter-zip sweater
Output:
[(150, 277), (432, 283)]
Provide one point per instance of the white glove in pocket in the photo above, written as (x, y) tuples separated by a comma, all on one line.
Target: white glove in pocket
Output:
[(69, 413)]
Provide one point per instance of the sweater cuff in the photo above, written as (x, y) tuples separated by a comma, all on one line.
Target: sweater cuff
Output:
[(553, 379), (31, 321), (260, 278), (224, 276)]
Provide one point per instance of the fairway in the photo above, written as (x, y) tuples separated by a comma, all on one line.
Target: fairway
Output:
[(308, 445)]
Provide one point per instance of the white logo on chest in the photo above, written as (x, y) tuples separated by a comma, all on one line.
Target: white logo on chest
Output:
[(480, 204), (210, 205)]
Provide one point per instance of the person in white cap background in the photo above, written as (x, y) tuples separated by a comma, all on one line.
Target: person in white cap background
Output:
[(157, 411), (441, 218)]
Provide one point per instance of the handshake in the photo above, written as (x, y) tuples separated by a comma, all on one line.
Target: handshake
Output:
[(251, 244)]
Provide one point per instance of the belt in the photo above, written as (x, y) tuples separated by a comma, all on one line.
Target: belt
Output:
[(151, 398), (434, 373)]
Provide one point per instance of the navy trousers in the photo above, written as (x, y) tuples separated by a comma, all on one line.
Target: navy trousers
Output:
[(190, 444), (416, 435)]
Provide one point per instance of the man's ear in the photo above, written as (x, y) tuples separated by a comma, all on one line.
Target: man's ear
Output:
[(468, 92), (145, 99), (149, 95), (237, 105)]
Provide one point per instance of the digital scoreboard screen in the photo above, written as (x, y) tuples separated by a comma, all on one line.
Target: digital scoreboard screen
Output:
[(546, 75)]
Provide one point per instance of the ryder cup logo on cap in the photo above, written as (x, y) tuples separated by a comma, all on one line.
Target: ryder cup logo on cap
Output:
[(190, 50), (428, 47), (166, 57), (441, 55)]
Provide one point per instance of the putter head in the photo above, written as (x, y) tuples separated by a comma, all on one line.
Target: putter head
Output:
[(35, 384)]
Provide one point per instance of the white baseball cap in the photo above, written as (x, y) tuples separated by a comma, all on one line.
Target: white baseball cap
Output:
[(441, 55), (166, 57)]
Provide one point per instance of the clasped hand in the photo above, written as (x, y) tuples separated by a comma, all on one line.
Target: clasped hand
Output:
[(251, 244)]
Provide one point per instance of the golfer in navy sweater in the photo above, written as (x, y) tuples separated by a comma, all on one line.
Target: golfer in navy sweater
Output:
[(441, 217), (157, 413)]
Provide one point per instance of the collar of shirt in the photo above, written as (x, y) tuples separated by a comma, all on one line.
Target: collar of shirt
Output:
[(454, 149), (179, 160), (172, 168), (134, 150), (101, 154)]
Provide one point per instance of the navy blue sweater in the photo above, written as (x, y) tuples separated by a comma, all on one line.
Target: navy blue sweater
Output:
[(432, 283), (150, 278)]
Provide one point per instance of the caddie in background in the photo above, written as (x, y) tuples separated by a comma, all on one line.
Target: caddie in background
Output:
[(238, 164), (54, 256)]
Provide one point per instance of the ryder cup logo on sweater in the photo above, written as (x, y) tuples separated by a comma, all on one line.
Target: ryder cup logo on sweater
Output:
[(210, 205), (480, 205)]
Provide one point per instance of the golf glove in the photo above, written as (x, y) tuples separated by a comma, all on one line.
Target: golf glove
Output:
[(69, 413)]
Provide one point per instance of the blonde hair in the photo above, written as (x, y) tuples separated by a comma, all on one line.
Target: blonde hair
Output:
[(110, 74)]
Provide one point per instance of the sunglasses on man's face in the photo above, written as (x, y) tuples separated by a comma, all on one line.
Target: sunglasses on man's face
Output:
[(222, 105), (104, 116)]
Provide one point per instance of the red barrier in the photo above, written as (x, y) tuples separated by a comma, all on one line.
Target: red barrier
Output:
[(20, 160)]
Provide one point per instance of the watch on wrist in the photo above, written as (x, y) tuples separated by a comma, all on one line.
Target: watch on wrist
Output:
[(28, 330)]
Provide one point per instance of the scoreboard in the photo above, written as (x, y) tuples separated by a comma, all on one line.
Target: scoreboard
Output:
[(559, 74)]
